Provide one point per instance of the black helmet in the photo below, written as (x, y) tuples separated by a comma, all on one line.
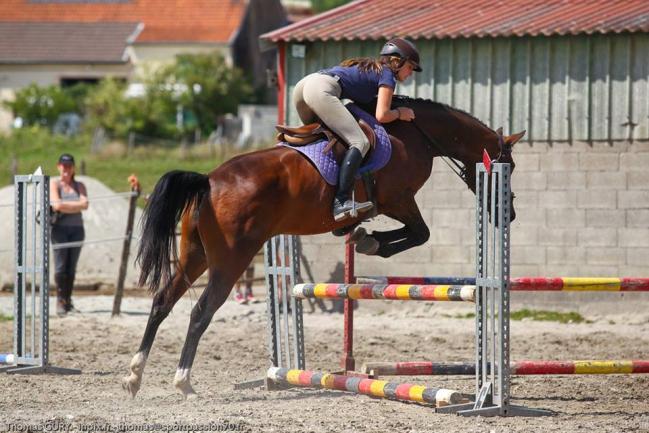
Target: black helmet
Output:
[(402, 48)]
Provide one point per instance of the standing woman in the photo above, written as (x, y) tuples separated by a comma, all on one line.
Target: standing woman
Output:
[(319, 95), (68, 198)]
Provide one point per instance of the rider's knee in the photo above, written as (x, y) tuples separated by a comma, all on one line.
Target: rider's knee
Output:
[(362, 145)]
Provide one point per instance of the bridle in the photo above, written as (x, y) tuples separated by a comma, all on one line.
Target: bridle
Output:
[(457, 166)]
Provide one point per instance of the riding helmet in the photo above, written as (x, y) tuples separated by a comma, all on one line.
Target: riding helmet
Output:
[(402, 48)]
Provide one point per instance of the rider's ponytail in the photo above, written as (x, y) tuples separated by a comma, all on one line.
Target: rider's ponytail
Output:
[(366, 64)]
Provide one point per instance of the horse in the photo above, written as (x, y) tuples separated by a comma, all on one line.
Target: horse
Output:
[(229, 213)]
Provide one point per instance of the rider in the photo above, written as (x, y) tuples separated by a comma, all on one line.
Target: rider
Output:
[(319, 95)]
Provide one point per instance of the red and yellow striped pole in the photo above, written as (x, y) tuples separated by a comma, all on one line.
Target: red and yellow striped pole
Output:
[(403, 292), (519, 368), (375, 388)]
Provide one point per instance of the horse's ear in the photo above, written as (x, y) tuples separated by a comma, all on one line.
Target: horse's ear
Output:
[(514, 138), (499, 131)]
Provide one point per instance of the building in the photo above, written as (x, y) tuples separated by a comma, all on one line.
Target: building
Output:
[(62, 42), (573, 73)]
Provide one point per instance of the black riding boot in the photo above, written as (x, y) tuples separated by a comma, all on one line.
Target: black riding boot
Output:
[(343, 206), (61, 282)]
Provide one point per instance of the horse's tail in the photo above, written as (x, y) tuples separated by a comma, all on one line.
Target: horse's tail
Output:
[(173, 194)]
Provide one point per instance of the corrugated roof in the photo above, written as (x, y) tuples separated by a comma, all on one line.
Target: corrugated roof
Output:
[(164, 20), (427, 19), (65, 42)]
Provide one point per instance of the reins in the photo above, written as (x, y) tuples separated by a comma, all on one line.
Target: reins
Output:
[(458, 168)]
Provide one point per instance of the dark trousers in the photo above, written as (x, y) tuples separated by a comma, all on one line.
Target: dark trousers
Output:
[(65, 260)]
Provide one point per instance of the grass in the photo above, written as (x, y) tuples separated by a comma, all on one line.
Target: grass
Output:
[(5, 318), (537, 315), (33, 147), (549, 316), (460, 316)]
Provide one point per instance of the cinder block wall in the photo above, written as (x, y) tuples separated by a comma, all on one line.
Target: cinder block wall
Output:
[(583, 210)]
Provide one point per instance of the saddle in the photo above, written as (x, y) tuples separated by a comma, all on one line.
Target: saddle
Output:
[(306, 134)]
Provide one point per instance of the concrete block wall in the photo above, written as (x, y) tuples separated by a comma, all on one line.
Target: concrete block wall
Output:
[(582, 210)]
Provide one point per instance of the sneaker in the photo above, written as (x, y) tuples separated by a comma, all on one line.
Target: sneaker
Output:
[(61, 309), (349, 209), (251, 298), (240, 299)]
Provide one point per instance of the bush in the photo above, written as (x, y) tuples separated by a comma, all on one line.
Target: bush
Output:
[(189, 94), (42, 106), (202, 86), (107, 107)]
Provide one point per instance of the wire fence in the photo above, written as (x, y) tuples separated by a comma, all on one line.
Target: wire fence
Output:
[(65, 245)]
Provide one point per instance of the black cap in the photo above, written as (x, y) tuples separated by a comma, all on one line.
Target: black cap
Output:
[(66, 158)]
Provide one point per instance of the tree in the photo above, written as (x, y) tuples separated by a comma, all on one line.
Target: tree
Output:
[(325, 5), (202, 86), (41, 106)]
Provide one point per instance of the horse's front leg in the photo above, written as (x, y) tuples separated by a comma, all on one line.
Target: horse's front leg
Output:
[(388, 243)]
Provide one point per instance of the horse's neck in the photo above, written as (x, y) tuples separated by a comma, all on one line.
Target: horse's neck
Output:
[(459, 135)]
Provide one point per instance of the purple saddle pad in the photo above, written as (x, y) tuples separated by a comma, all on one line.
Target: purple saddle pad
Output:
[(327, 165)]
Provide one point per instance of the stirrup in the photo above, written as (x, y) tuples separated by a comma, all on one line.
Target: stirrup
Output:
[(355, 209)]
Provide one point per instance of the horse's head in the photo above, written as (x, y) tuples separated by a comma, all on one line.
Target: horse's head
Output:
[(504, 155)]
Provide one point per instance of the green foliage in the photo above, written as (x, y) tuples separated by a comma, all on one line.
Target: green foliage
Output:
[(38, 105), (203, 86), (5, 318), (200, 87), (36, 146), (106, 106), (325, 5)]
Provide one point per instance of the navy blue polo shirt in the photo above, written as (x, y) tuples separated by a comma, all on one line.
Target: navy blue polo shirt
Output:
[(362, 86)]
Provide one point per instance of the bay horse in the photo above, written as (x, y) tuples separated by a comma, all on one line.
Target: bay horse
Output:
[(228, 214)]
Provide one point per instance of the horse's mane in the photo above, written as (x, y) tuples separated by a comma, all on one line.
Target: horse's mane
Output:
[(402, 100)]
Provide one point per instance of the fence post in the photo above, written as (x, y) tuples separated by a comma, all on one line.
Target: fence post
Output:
[(126, 247)]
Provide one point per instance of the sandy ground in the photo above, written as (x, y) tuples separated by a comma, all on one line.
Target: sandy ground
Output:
[(233, 349)]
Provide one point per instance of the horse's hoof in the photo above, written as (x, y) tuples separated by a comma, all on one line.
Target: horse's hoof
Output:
[(131, 384), (368, 246), (191, 396), (183, 384), (187, 392), (358, 235)]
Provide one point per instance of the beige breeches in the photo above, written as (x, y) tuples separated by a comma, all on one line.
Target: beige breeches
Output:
[(317, 96)]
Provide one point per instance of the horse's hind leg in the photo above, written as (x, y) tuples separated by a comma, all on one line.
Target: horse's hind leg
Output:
[(191, 265), (213, 297), (224, 269)]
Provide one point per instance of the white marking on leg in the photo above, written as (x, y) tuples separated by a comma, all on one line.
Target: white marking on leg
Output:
[(131, 384), (183, 384)]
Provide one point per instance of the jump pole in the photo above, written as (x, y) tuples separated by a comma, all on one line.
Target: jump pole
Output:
[(438, 397), (286, 340), (519, 368), (528, 284), (401, 292)]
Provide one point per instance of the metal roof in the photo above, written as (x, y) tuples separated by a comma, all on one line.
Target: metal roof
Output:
[(428, 19), (191, 21), (46, 43)]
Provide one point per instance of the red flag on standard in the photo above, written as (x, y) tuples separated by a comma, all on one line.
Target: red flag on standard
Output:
[(486, 160)]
